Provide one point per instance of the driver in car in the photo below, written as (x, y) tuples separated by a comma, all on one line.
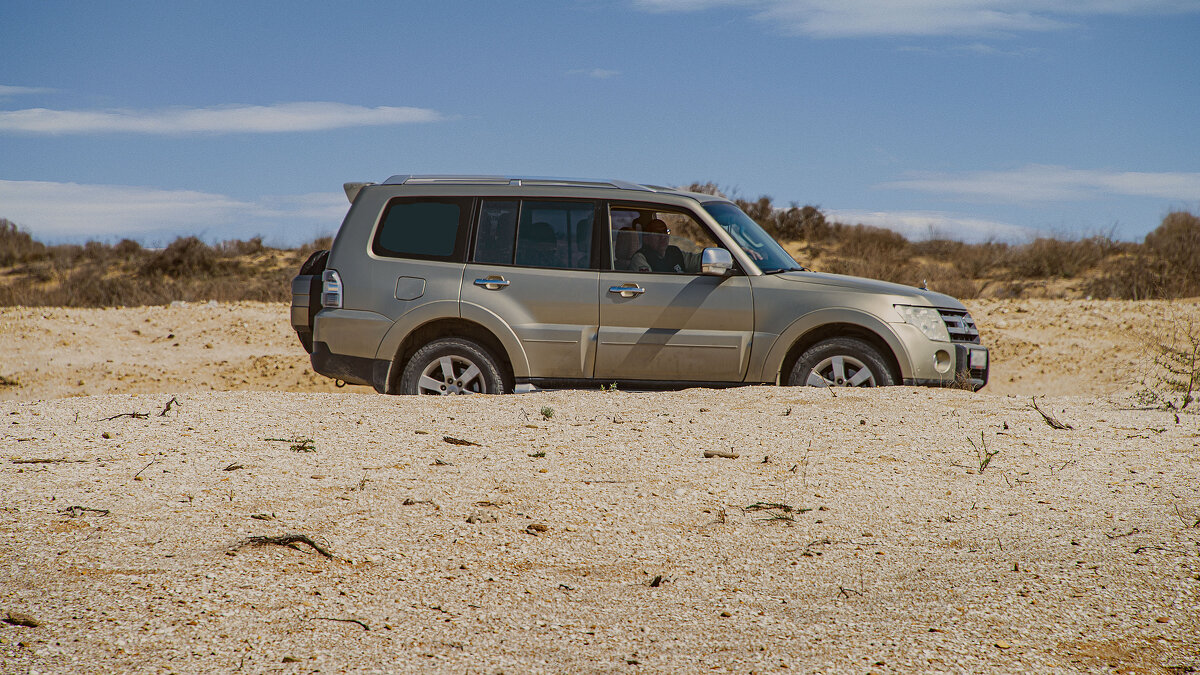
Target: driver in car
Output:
[(658, 255)]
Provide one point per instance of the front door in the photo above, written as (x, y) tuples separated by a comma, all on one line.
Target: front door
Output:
[(660, 319)]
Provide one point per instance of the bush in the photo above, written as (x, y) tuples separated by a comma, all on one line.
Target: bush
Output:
[(236, 247), (128, 248), (1176, 243), (184, 257), (1167, 265), (17, 246), (1046, 258)]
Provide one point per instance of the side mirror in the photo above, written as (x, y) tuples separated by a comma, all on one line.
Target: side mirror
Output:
[(716, 262)]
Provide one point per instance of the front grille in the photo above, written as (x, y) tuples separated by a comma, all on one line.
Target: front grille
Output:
[(960, 325)]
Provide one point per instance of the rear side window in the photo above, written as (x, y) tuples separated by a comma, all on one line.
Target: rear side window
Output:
[(534, 233), (431, 228), (555, 234)]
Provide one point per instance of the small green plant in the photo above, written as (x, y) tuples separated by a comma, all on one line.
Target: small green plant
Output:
[(1176, 353), (547, 412), (539, 453), (608, 387), (982, 453)]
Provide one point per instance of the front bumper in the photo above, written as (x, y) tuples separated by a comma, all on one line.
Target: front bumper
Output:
[(972, 364)]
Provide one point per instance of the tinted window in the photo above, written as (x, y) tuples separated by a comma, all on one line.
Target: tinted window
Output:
[(424, 227), (555, 234), (497, 230)]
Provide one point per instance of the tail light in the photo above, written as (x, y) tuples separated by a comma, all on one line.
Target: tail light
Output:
[(331, 289)]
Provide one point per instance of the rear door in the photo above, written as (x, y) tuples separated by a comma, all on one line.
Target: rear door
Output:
[(535, 266), (660, 319)]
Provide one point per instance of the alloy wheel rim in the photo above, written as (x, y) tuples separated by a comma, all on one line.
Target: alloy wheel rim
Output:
[(451, 375), (841, 371)]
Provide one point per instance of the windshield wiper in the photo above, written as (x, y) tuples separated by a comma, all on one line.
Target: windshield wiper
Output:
[(785, 269)]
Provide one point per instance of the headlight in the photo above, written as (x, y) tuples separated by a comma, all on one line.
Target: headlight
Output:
[(927, 319)]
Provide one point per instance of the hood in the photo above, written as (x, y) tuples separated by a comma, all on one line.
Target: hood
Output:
[(871, 286)]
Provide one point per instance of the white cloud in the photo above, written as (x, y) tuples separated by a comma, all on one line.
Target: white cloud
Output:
[(53, 211), (596, 73), (852, 18), (9, 90), (1042, 183), (919, 225), (281, 117)]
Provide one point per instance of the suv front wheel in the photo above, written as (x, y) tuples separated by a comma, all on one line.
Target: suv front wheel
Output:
[(842, 362), (451, 366)]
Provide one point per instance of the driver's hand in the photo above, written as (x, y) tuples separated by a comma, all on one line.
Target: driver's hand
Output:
[(754, 255)]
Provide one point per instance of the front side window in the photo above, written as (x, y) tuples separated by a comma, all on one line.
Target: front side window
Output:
[(655, 240), (431, 228)]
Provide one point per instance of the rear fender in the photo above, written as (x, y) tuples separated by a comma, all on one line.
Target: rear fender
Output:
[(389, 348)]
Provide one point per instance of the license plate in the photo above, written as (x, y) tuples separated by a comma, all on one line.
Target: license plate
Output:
[(978, 359)]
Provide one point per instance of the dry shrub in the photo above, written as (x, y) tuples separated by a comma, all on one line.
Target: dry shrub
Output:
[(1167, 265), (238, 247), (1176, 244), (17, 246), (866, 241), (184, 257), (954, 285), (1048, 258), (64, 256), (127, 248)]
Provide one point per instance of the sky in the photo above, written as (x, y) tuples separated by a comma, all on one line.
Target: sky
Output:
[(966, 119)]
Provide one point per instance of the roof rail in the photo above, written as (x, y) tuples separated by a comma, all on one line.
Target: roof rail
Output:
[(400, 179)]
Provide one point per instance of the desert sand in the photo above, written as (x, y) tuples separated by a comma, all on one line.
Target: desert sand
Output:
[(149, 455)]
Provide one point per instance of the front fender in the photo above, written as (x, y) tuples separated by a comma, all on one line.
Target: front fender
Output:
[(814, 320)]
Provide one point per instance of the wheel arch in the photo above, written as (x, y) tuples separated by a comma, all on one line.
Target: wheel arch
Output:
[(811, 329), (449, 327)]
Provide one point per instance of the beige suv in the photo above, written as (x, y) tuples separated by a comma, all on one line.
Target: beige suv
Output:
[(490, 284)]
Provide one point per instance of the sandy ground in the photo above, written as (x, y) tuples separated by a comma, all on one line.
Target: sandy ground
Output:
[(862, 531), (1039, 347)]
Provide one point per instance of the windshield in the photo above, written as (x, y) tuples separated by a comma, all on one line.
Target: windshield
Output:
[(766, 252)]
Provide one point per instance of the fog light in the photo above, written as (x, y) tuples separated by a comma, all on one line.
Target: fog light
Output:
[(942, 361)]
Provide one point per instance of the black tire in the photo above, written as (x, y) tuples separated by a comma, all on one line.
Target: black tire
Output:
[(842, 362), (426, 372)]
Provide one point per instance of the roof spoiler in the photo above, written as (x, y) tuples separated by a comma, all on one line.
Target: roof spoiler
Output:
[(352, 189)]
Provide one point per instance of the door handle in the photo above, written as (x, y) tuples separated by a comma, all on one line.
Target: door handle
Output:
[(627, 291), (493, 283)]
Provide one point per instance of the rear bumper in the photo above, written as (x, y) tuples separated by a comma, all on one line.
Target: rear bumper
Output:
[(350, 369)]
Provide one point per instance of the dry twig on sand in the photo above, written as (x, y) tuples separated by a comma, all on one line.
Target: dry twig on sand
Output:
[(167, 408), (457, 441), (289, 540), (1050, 419), (357, 621), (133, 415), (76, 511)]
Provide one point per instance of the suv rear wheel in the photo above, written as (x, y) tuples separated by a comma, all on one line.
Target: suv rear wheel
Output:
[(842, 362), (451, 366)]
